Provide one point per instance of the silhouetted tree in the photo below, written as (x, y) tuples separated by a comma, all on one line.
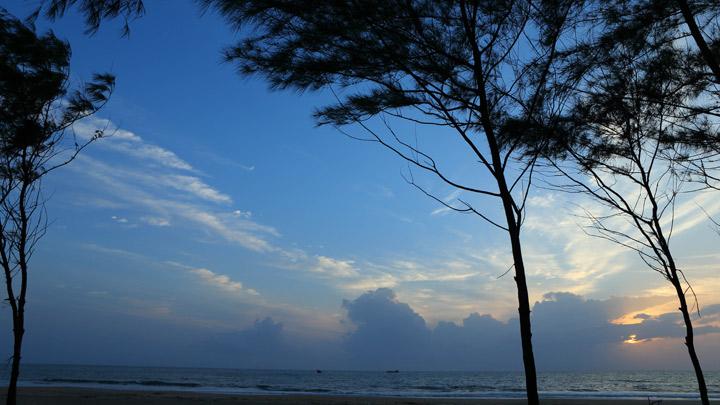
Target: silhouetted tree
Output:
[(459, 67), (693, 23), (93, 11), (36, 115), (631, 108)]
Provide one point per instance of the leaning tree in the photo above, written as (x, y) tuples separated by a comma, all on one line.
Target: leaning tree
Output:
[(460, 68), (37, 112)]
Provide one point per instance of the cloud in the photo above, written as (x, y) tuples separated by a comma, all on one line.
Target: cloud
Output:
[(245, 233), (448, 199), (154, 193), (334, 267), (222, 281), (156, 221), (129, 143), (570, 332), (381, 333), (119, 220), (197, 187), (268, 344), (389, 333)]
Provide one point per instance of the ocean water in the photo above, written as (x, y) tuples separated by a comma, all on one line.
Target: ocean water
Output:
[(654, 384)]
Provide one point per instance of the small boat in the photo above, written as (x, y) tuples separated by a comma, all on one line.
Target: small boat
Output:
[(392, 371), (318, 371)]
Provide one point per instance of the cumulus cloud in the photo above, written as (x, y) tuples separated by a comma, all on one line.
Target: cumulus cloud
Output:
[(382, 333), (268, 344), (389, 333), (570, 332)]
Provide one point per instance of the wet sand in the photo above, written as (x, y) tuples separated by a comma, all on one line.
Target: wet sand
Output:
[(68, 396)]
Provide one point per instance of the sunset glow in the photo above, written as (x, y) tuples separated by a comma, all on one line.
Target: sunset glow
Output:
[(632, 339)]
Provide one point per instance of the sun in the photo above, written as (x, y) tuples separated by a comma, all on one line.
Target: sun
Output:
[(632, 339)]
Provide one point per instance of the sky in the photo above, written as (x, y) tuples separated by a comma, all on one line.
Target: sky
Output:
[(218, 226)]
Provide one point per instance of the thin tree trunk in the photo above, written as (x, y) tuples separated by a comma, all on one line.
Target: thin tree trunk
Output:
[(18, 332), (19, 310), (524, 313), (513, 220), (690, 339), (673, 276), (702, 45)]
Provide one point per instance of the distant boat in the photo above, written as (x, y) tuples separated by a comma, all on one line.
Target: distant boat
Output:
[(318, 371), (392, 371)]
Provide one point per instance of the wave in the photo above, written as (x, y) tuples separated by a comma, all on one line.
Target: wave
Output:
[(148, 383)]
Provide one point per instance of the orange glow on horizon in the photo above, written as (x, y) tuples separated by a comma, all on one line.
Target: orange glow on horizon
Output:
[(631, 318), (633, 340)]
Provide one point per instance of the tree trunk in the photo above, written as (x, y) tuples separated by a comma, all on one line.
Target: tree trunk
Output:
[(524, 314), (18, 332), (697, 35), (690, 339), (19, 309)]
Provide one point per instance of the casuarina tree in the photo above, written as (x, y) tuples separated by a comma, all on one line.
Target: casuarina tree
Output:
[(459, 67), (634, 112), (37, 112)]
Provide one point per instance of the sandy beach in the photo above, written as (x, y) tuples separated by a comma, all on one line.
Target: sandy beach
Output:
[(67, 396)]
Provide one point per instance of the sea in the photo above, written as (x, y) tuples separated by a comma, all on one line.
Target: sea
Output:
[(389, 383)]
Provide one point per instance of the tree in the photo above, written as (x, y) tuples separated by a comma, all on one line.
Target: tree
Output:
[(628, 22), (459, 67), (623, 139), (36, 116), (94, 11)]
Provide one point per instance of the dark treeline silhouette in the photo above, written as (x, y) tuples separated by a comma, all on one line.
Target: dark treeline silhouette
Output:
[(614, 99), (36, 115)]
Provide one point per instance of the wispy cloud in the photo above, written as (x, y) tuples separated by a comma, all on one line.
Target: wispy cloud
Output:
[(196, 187), (448, 199), (209, 277), (334, 267), (156, 221), (119, 220), (222, 281), (166, 196), (129, 143)]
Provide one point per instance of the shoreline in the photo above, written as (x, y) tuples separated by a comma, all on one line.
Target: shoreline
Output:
[(102, 396)]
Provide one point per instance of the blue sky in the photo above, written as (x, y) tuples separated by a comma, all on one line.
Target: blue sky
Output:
[(218, 210)]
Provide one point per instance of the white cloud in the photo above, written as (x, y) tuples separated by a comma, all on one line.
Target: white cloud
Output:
[(448, 199), (222, 281), (241, 233), (243, 214), (128, 143), (334, 267), (196, 187), (156, 221), (545, 200), (153, 193), (119, 220), (153, 153)]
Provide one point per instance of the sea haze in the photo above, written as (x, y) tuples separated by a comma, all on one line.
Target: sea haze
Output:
[(654, 384)]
